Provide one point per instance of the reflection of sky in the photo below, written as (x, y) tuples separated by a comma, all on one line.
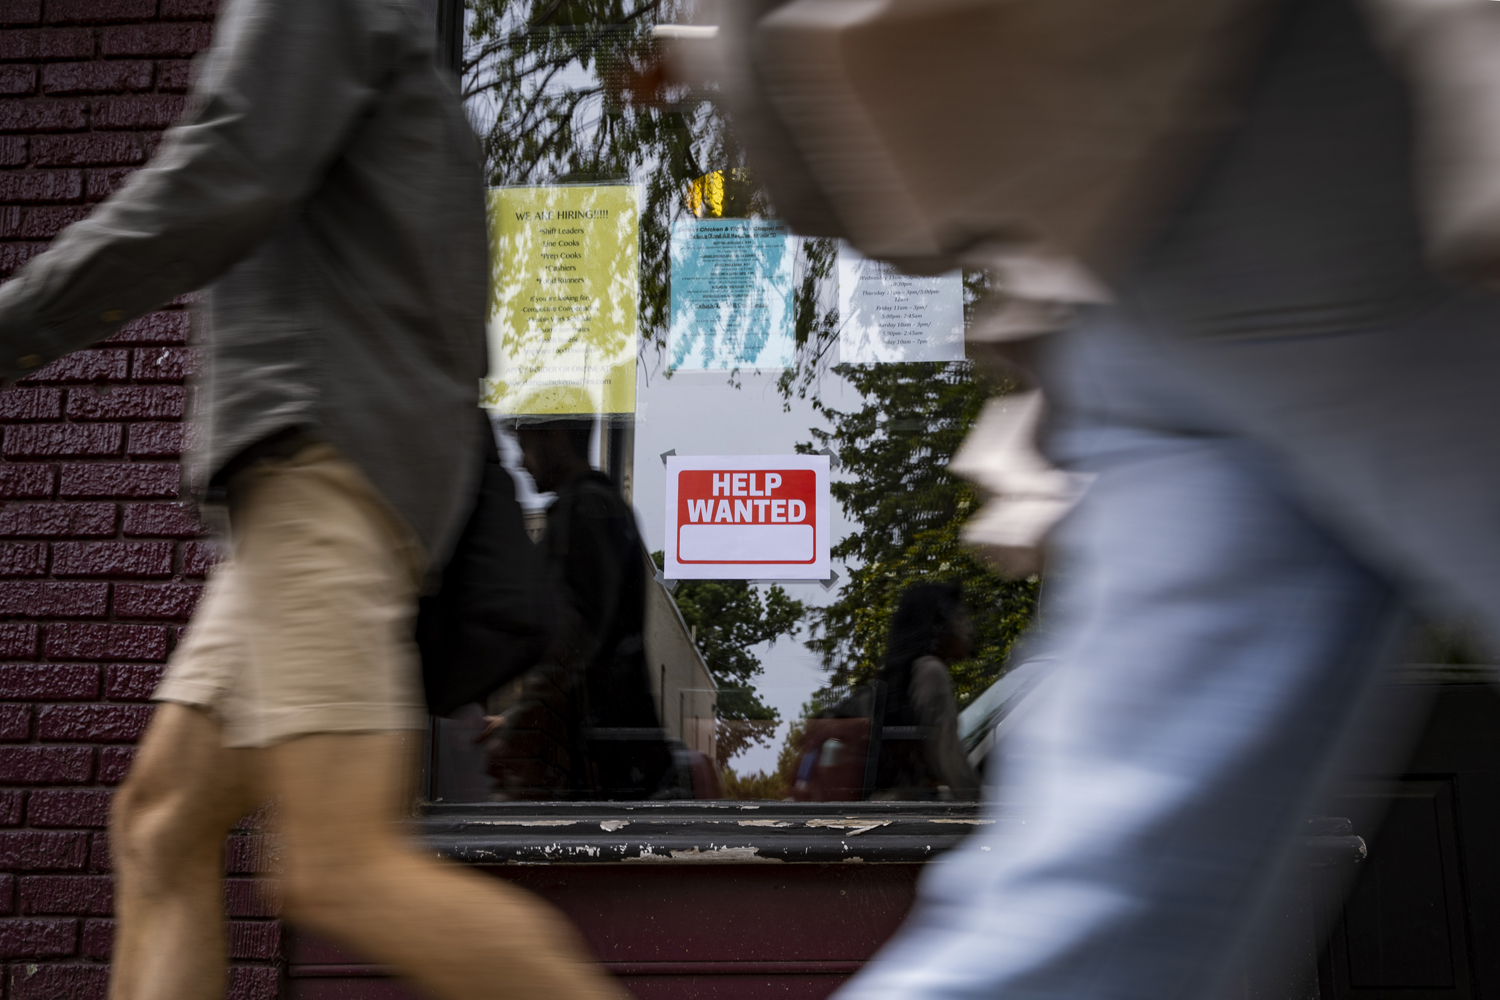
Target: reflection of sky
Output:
[(699, 413)]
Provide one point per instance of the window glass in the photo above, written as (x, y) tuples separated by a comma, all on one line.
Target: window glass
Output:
[(731, 442)]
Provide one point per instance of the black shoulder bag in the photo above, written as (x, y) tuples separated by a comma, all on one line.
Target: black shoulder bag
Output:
[(494, 615)]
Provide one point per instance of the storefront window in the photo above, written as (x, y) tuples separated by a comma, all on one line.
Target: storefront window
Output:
[(776, 414)]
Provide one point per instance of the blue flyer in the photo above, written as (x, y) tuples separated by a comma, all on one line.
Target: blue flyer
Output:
[(731, 294)]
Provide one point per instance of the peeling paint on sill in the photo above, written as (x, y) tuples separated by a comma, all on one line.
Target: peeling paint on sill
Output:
[(854, 826), (965, 822), (717, 855), (764, 822), (611, 825)]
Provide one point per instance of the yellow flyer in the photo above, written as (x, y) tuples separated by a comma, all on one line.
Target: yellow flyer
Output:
[(565, 275)]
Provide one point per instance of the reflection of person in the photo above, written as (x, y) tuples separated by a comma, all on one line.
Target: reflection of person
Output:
[(595, 565), (327, 183), (929, 631), (1295, 429)]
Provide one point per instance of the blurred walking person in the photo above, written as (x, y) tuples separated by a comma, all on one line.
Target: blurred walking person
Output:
[(1287, 410), (1292, 424), (326, 184)]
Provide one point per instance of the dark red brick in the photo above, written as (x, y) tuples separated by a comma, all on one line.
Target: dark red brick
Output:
[(249, 897), (152, 440), (109, 77), (42, 115), (174, 76), (247, 982), (41, 185), (93, 723), (46, 43), (95, 11), (119, 479), (23, 938), (160, 601), (170, 364), (22, 559), (7, 894), (97, 941), (204, 9), (171, 327), (198, 558), (12, 150), (141, 559), (114, 764), (70, 807), (107, 365), (10, 815), (30, 404), (172, 520), (18, 642), (105, 181), (15, 723), (84, 895), (14, 256), (87, 149), (132, 681), (253, 939), (99, 856), (26, 480), (63, 440), (60, 807), (16, 80), (44, 599), (128, 402), (79, 641), (34, 850), (57, 520), (148, 111), (48, 681), (154, 40), (30, 981), (42, 222), (244, 854), (43, 766), (20, 11)]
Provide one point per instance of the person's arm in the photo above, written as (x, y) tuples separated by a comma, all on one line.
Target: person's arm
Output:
[(1447, 50), (277, 97)]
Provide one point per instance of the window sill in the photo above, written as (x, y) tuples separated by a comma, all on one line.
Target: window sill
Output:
[(693, 832)]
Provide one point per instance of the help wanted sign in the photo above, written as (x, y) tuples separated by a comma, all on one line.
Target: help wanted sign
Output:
[(747, 517)]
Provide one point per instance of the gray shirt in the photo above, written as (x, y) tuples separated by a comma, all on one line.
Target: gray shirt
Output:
[(326, 182)]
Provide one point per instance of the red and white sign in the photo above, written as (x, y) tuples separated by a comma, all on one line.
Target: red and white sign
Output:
[(747, 517)]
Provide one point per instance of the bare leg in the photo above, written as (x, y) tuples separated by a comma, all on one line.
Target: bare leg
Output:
[(167, 831), (352, 876)]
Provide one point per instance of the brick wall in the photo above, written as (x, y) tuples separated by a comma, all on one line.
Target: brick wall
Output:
[(99, 566)]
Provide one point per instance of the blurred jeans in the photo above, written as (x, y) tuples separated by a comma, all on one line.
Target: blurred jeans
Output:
[(1296, 432)]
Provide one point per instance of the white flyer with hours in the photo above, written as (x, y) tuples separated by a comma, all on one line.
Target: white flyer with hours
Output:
[(748, 517), (887, 316)]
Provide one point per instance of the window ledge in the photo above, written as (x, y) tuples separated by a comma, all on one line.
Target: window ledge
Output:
[(679, 832)]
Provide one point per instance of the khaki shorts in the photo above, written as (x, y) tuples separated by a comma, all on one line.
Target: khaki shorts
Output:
[(307, 627)]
